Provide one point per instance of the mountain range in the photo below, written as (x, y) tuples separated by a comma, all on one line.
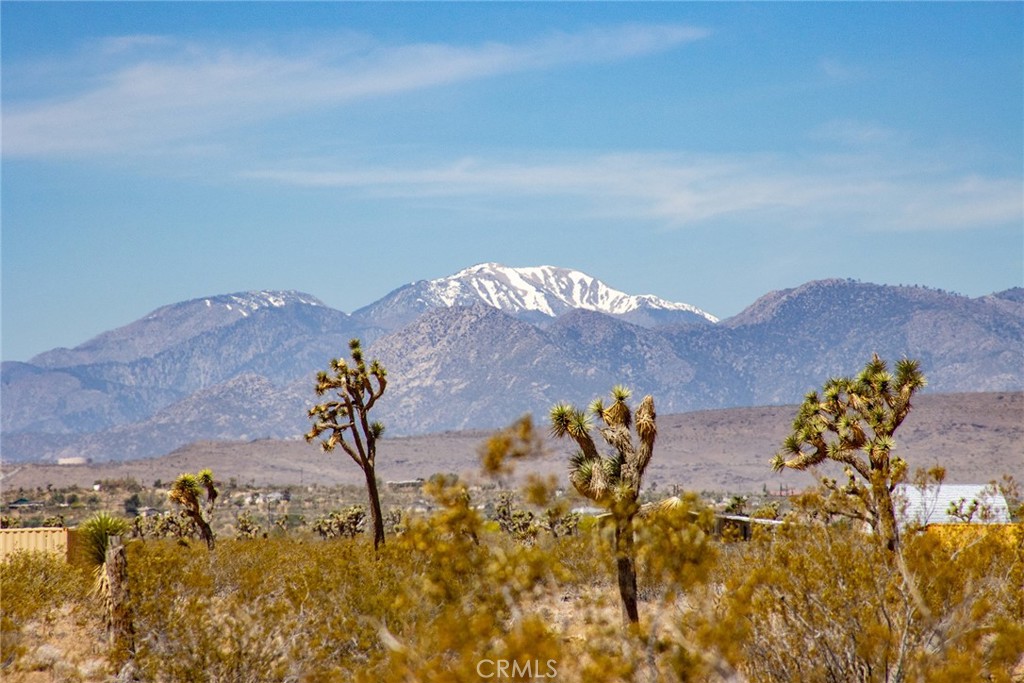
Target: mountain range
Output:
[(478, 349)]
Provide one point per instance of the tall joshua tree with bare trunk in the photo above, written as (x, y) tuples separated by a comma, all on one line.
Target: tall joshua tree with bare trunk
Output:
[(612, 480), (345, 420), (853, 422), (187, 491)]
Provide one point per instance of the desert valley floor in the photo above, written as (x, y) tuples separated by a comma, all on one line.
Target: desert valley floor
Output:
[(976, 437)]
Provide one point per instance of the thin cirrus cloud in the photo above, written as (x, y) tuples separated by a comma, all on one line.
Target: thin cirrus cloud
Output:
[(862, 193), (164, 91), (853, 132)]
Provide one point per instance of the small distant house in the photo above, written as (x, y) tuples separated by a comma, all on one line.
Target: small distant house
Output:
[(922, 507), (24, 504), (271, 498), (741, 525), (405, 484), (588, 511)]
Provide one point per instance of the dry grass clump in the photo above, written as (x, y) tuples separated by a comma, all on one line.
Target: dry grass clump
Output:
[(450, 599), (45, 626)]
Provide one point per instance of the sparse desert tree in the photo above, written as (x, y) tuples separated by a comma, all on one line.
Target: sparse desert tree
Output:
[(853, 422), (188, 492), (247, 527), (345, 420), (341, 523), (612, 480)]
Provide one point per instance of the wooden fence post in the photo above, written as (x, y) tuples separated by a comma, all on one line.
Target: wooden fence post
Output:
[(119, 614)]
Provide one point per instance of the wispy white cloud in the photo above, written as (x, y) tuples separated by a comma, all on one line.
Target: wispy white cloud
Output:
[(164, 91), (119, 45), (839, 193), (854, 132), (839, 71)]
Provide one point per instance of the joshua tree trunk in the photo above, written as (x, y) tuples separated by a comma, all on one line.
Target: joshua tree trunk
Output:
[(375, 514), (885, 521), (626, 567), (205, 531)]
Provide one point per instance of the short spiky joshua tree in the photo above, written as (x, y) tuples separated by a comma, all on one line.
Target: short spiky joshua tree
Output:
[(187, 491), (853, 423), (614, 480), (100, 536), (345, 421)]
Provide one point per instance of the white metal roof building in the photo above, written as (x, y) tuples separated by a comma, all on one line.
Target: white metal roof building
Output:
[(915, 506)]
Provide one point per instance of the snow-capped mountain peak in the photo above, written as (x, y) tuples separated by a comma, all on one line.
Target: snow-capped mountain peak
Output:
[(546, 289), (173, 324)]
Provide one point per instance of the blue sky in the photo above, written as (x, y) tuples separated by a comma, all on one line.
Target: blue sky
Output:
[(704, 152)]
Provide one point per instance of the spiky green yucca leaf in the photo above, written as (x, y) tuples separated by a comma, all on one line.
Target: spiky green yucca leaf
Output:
[(579, 425), (186, 491), (580, 475), (576, 460), (909, 375), (95, 534), (560, 416), (792, 444), (205, 478)]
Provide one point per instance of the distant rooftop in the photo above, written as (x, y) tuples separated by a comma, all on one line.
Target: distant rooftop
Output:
[(931, 505)]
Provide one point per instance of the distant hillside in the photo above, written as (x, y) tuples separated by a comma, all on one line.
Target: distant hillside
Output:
[(800, 336), (479, 348), (977, 437)]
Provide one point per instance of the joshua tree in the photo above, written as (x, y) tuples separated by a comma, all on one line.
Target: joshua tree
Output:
[(853, 423), (612, 481), (187, 492), (356, 395)]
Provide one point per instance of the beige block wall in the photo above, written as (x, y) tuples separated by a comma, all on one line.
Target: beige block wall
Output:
[(45, 539)]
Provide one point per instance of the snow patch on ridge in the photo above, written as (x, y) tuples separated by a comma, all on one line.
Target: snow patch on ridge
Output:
[(547, 289), (243, 302)]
